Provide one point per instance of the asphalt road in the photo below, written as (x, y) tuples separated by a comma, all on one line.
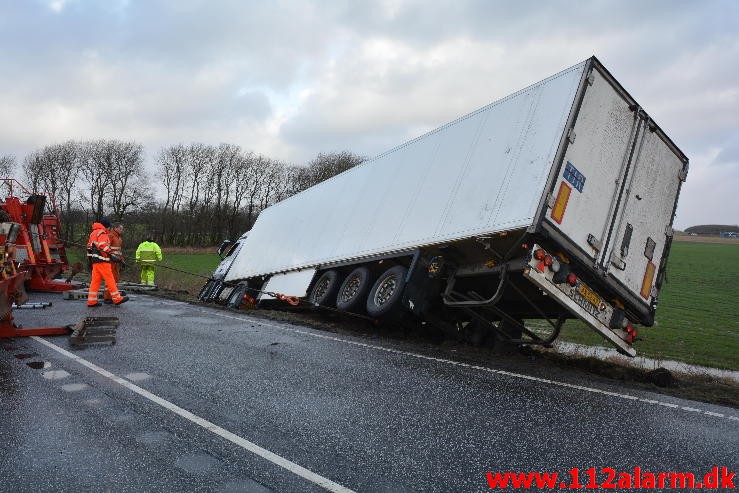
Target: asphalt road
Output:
[(194, 398)]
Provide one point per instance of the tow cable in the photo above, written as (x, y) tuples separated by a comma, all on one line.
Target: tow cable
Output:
[(291, 300)]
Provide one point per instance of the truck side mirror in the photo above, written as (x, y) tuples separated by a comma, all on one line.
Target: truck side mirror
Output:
[(224, 248)]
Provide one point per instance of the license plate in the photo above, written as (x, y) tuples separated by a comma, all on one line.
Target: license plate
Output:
[(589, 295)]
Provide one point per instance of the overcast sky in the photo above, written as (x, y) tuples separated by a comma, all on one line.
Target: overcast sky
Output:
[(290, 79)]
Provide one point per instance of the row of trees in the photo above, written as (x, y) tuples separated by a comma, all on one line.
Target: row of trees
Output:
[(196, 195)]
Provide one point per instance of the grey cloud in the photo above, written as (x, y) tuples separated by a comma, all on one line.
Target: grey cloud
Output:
[(167, 71), (729, 154)]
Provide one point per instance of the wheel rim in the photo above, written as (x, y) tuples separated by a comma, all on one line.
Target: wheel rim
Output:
[(321, 289), (386, 290), (351, 289)]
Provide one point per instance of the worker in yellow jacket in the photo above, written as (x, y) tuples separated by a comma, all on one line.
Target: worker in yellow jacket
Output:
[(147, 254)]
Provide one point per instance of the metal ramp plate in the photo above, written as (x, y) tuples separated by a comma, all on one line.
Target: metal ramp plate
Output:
[(135, 287), (77, 294), (94, 329)]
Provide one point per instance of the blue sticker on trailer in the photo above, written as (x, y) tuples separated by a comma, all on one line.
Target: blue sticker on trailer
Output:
[(572, 175)]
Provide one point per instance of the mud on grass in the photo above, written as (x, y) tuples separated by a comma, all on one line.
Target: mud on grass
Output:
[(529, 360)]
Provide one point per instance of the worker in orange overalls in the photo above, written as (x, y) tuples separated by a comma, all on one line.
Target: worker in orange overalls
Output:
[(99, 255), (116, 249)]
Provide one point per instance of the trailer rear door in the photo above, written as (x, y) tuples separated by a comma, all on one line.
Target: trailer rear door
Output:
[(616, 188), (642, 225), (599, 148)]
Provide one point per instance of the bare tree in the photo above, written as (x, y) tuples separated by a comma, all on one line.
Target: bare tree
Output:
[(199, 157), (95, 160), (54, 170), (7, 165), (172, 164), (221, 174), (323, 167), (127, 180), (34, 166)]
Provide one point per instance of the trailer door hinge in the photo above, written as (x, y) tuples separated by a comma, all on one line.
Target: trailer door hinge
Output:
[(594, 242), (551, 201), (571, 135), (669, 231), (591, 78)]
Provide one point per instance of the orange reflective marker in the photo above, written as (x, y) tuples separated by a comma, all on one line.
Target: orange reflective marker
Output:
[(646, 285), (558, 211)]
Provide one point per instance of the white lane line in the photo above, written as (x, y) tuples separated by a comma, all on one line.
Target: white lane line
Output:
[(467, 365), (324, 483)]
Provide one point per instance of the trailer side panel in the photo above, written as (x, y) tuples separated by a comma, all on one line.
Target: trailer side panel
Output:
[(480, 174)]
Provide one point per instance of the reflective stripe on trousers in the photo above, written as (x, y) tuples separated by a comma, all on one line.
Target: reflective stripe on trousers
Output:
[(102, 271)]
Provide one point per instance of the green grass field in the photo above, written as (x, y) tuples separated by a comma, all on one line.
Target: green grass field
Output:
[(698, 315), (697, 318), (196, 262)]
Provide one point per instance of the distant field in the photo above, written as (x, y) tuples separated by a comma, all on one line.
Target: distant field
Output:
[(197, 263), (707, 239), (697, 318)]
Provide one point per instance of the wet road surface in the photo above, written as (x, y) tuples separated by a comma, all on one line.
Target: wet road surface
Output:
[(194, 398)]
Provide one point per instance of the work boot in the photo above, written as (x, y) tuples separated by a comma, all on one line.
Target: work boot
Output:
[(97, 303), (123, 300)]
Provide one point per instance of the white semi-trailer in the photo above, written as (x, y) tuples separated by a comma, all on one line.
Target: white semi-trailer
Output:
[(555, 202)]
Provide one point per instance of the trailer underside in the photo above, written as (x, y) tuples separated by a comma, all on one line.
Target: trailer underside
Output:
[(489, 287)]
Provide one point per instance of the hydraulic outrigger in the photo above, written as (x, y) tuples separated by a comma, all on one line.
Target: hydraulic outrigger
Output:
[(38, 246)]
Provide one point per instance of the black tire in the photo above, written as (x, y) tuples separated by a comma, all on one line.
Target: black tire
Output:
[(205, 290), (236, 298), (477, 333), (215, 291), (502, 345), (352, 295), (202, 291), (326, 288), (384, 297)]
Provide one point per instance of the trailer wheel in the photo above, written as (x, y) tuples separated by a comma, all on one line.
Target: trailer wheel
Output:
[(353, 292), (387, 291), (204, 290), (326, 289), (218, 287), (207, 292), (237, 295)]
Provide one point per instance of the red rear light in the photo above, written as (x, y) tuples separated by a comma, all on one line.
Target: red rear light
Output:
[(540, 254), (548, 260), (629, 328), (572, 279)]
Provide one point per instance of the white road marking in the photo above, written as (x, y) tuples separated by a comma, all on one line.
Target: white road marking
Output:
[(467, 365), (55, 374), (74, 387), (324, 483), (137, 377)]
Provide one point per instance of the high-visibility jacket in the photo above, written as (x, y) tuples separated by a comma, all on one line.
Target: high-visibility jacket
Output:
[(148, 252), (116, 243), (98, 246)]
